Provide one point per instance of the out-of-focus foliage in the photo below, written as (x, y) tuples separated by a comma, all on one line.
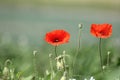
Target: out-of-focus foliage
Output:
[(23, 24), (87, 62)]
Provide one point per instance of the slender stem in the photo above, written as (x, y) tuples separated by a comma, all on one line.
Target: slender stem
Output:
[(100, 52), (35, 65), (35, 70), (55, 51), (108, 61), (78, 49), (51, 65), (63, 64), (79, 36), (64, 56), (108, 58)]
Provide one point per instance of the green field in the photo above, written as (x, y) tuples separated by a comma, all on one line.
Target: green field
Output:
[(23, 25)]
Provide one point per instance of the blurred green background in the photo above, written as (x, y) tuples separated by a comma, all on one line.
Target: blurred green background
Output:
[(23, 24)]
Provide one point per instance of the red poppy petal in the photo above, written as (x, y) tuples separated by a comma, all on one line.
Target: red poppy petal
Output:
[(57, 37), (101, 30)]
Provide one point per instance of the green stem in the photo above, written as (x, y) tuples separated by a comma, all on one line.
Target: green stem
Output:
[(78, 49), (63, 64), (55, 51), (79, 36), (108, 58), (100, 52), (35, 66), (51, 65)]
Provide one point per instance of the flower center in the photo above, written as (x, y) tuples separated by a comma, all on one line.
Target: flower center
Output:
[(56, 40), (102, 32)]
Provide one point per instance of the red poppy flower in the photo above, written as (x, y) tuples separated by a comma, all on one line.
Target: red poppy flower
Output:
[(101, 30), (57, 37)]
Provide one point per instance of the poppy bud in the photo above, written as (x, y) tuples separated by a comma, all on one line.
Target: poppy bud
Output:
[(108, 52), (60, 65), (12, 73), (80, 26), (64, 52), (104, 67), (64, 77), (50, 55), (34, 53), (47, 72), (6, 73)]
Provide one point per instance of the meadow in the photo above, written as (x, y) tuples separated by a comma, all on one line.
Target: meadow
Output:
[(25, 55)]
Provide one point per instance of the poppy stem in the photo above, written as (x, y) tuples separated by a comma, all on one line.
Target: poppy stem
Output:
[(63, 65), (35, 65), (108, 58), (78, 47), (63, 59), (79, 36), (51, 66), (100, 52), (55, 51)]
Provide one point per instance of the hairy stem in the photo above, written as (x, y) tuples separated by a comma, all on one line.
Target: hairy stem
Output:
[(55, 51), (63, 64), (78, 49), (35, 65), (51, 66), (100, 52), (108, 58)]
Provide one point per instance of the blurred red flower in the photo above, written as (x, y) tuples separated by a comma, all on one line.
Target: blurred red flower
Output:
[(101, 30), (57, 37)]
